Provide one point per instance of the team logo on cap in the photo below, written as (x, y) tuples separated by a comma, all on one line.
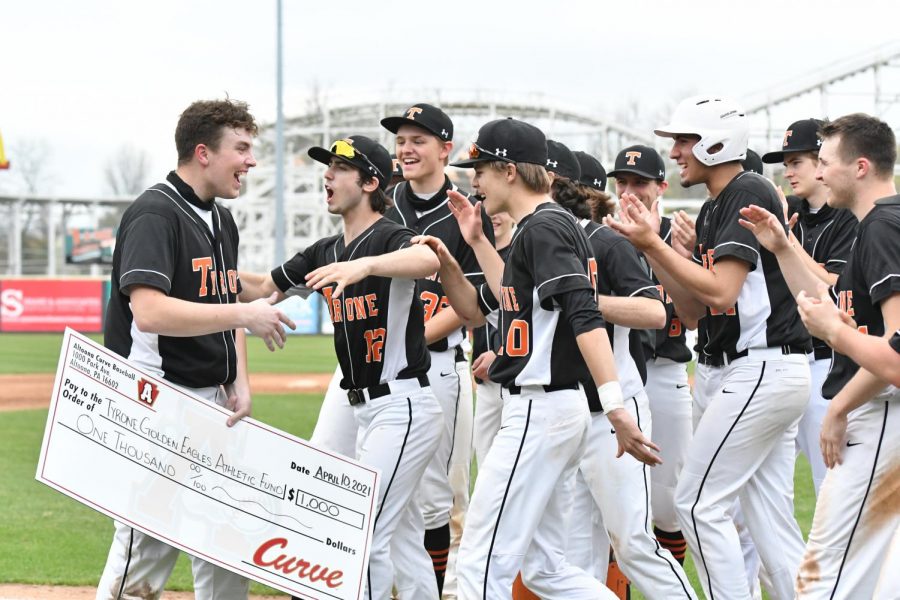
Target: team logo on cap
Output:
[(445, 133), (147, 392), (598, 183), (632, 157), (787, 134), (500, 152), (412, 112), (552, 163)]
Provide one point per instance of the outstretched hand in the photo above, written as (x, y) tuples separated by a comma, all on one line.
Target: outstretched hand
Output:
[(636, 222), (771, 234), (821, 316), (266, 321), (340, 273), (631, 439), (684, 234), (467, 215)]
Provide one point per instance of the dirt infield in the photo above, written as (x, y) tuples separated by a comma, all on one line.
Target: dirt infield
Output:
[(23, 392), (13, 591)]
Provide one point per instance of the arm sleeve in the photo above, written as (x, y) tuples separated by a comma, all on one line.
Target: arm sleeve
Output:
[(149, 252), (487, 302), (556, 266), (732, 240), (627, 272), (895, 341), (292, 274), (579, 308), (880, 254)]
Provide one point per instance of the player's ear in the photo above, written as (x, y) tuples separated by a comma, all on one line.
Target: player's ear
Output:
[(370, 186), (511, 171), (201, 153), (863, 167), (662, 187), (446, 150)]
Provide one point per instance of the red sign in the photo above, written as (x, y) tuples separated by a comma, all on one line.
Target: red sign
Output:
[(51, 305)]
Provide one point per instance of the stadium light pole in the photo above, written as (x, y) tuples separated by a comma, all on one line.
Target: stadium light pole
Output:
[(279, 146)]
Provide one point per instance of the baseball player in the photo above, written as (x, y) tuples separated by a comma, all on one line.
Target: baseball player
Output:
[(422, 150), (743, 444), (552, 334), (367, 276), (485, 345), (628, 299), (824, 235), (423, 143), (855, 521), (174, 311), (640, 171), (753, 162)]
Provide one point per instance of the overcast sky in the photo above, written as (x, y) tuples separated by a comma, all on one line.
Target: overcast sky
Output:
[(88, 76)]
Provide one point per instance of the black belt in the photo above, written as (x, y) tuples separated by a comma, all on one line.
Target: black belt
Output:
[(720, 360), (822, 353), (358, 395), (516, 390)]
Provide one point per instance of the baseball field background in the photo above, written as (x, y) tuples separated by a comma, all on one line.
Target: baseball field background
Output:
[(47, 538)]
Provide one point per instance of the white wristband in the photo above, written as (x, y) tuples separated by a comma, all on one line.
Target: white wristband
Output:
[(610, 396)]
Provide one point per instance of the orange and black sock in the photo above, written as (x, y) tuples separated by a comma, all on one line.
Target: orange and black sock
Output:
[(437, 542), (673, 542)]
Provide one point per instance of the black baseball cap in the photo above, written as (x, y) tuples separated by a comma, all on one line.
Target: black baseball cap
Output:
[(428, 117), (363, 153), (592, 172), (640, 160), (508, 140), (801, 136), (561, 161), (753, 162)]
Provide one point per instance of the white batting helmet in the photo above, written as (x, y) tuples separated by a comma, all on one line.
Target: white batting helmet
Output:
[(717, 121)]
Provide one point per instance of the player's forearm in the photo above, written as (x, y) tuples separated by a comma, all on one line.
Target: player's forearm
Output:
[(861, 388), (164, 315), (597, 353), (638, 313), (413, 262), (688, 306), (799, 270), (811, 265), (871, 353), (442, 324), (687, 281), (256, 285), (491, 264), (461, 294)]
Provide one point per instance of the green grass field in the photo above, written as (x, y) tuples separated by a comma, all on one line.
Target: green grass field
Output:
[(48, 538), (39, 352)]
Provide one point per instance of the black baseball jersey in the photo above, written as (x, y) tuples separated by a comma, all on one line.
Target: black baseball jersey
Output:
[(432, 216), (487, 337), (827, 236), (670, 341), (765, 314), (170, 240), (379, 332), (620, 272), (871, 276), (549, 256)]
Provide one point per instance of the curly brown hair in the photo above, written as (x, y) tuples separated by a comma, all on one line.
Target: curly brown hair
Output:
[(600, 202), (203, 122), (565, 192)]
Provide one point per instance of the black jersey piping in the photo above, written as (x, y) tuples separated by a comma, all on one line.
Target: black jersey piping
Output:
[(862, 504), (706, 474), (487, 565)]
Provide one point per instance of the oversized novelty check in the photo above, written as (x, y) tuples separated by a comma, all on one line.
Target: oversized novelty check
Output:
[(250, 498)]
